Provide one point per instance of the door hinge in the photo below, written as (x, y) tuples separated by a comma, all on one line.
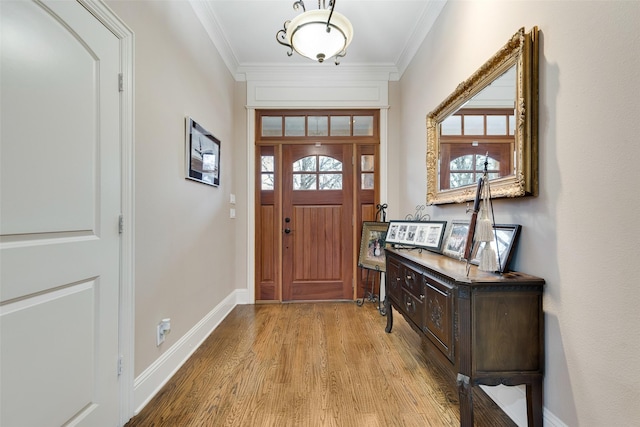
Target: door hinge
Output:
[(121, 224), (120, 365), (120, 83)]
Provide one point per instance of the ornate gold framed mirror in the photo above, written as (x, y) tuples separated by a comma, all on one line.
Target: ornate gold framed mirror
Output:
[(491, 117)]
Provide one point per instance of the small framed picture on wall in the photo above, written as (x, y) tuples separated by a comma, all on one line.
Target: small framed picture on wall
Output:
[(202, 154)]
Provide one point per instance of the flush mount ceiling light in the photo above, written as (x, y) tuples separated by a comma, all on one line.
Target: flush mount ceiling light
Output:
[(317, 34)]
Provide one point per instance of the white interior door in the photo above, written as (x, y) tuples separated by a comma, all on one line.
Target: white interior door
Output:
[(59, 213)]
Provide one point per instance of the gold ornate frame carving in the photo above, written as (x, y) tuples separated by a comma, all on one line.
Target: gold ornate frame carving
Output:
[(522, 51)]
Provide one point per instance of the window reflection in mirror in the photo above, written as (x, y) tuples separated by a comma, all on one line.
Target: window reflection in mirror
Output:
[(483, 125)]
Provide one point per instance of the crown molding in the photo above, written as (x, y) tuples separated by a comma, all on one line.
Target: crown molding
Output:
[(419, 34), (209, 21)]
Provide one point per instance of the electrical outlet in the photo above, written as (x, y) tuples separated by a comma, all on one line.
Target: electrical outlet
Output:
[(162, 329), (159, 335)]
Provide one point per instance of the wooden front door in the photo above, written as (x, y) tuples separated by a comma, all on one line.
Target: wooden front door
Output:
[(317, 222)]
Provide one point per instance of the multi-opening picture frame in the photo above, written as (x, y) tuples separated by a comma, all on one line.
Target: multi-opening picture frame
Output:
[(202, 154), (421, 234), (507, 239), (372, 244), (456, 239)]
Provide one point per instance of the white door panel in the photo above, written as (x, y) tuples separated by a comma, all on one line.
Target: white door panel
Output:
[(59, 209), (49, 89), (63, 386)]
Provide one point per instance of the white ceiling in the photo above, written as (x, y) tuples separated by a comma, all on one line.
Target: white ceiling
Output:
[(387, 34)]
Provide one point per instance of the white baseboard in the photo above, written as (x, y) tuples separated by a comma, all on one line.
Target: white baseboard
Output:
[(513, 401), (151, 380)]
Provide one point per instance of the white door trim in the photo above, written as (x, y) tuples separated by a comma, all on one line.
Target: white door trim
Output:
[(127, 265)]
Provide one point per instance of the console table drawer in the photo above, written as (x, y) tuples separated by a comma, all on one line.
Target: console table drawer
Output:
[(412, 281), (413, 307)]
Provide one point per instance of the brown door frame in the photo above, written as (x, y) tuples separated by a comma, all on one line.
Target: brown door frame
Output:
[(363, 204)]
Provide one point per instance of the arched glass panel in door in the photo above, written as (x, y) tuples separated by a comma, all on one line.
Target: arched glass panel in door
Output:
[(317, 173)]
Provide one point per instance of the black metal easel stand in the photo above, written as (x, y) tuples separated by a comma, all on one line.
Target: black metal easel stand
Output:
[(370, 295)]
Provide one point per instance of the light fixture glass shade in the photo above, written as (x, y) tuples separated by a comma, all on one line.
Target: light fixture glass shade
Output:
[(307, 34)]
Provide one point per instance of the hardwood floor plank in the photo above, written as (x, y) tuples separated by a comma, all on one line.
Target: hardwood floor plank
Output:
[(320, 364)]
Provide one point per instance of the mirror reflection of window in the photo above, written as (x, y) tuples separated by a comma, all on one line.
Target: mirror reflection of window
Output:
[(466, 170), (452, 125)]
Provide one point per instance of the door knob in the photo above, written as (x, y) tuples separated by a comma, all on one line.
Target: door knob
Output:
[(287, 230)]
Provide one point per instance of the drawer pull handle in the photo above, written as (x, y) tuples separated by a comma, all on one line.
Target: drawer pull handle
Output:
[(409, 278), (421, 297), (408, 303)]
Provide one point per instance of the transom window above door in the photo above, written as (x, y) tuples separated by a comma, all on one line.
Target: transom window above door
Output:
[(317, 173), (316, 125)]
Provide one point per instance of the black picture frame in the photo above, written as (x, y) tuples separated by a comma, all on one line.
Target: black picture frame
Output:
[(420, 234), (372, 244), (508, 235), (202, 154)]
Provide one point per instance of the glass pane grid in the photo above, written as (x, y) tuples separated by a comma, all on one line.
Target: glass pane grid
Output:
[(267, 164), (318, 126), (340, 126), (294, 126), (367, 181), (462, 163), (474, 125), (267, 181), (492, 164), (452, 125), (305, 164), (272, 126), (367, 163), (497, 125), (461, 179), (305, 181), (329, 164), (331, 181), (363, 125)]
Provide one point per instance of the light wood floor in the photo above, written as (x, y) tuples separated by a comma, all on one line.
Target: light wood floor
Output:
[(321, 364)]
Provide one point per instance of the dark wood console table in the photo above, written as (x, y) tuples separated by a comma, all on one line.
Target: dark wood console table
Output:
[(482, 328)]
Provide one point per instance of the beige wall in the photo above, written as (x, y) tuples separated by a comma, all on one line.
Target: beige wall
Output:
[(581, 234), (185, 241)]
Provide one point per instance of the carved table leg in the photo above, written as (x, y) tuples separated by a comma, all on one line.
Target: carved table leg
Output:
[(389, 311), (534, 403), (465, 395)]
